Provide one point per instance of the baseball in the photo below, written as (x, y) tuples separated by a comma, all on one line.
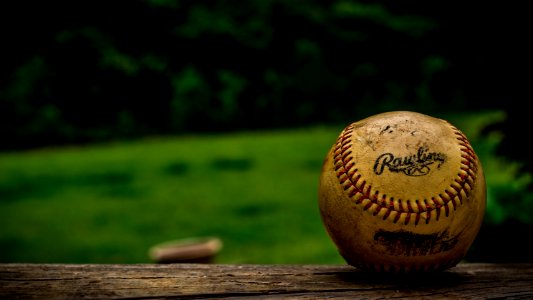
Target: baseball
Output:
[(402, 191)]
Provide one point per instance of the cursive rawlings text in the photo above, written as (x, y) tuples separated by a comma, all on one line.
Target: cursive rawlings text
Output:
[(417, 164)]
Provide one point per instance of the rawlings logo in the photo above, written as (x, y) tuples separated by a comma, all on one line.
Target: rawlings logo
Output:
[(411, 165)]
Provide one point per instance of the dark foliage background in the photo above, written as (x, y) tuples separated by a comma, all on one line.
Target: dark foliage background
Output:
[(79, 71), (89, 71)]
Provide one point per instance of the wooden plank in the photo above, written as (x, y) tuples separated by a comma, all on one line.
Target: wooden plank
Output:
[(191, 281)]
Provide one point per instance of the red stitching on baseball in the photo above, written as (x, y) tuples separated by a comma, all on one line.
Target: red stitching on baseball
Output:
[(407, 218), (359, 190)]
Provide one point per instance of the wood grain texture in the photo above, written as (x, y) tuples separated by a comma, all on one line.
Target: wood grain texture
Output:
[(203, 281)]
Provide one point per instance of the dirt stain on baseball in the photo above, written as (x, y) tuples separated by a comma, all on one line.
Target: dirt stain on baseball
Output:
[(387, 129), (413, 244)]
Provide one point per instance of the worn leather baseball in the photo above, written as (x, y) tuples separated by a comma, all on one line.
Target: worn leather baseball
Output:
[(402, 191)]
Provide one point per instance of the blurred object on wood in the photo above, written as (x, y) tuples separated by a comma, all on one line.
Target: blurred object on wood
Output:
[(190, 250)]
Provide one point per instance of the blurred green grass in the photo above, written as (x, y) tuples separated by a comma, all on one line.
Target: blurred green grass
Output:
[(257, 191)]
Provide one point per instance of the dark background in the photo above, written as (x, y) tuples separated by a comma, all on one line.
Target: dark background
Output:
[(79, 72)]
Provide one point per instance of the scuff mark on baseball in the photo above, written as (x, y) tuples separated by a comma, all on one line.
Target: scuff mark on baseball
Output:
[(402, 191)]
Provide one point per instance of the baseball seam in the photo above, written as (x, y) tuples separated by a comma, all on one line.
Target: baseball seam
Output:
[(404, 210)]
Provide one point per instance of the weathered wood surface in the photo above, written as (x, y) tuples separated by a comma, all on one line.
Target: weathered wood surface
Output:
[(201, 281)]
